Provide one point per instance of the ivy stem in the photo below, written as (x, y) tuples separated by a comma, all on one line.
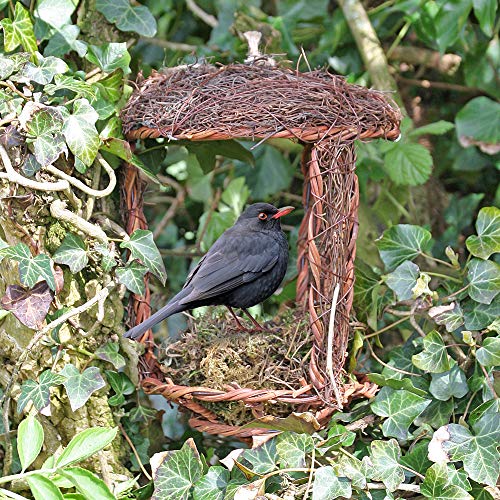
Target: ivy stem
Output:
[(388, 327), (435, 259), (439, 275)]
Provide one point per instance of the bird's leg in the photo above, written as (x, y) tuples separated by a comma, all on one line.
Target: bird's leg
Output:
[(238, 324), (254, 321)]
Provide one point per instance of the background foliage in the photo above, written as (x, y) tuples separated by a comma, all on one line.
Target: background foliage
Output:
[(427, 304)]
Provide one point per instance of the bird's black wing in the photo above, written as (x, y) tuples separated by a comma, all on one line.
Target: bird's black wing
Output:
[(235, 258)]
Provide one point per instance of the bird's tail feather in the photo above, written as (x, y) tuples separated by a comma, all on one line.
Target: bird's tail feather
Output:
[(171, 308)]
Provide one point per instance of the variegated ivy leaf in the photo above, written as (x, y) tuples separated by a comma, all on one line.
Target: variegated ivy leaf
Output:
[(487, 240), (80, 386), (72, 252), (19, 31), (403, 279), (80, 132), (484, 280), (44, 71), (384, 459), (132, 276), (434, 357)]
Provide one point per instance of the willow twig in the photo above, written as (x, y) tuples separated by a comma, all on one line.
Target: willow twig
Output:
[(329, 348)]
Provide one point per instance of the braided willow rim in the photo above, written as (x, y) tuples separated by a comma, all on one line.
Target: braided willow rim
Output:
[(327, 114)]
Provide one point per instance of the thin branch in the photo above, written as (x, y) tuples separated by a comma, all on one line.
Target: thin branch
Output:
[(59, 211), (83, 187), (182, 47), (12, 176), (200, 13), (444, 63), (428, 84), (134, 451)]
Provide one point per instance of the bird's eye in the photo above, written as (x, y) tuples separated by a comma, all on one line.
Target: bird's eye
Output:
[(262, 216)]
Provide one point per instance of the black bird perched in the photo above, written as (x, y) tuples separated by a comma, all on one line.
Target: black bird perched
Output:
[(242, 268)]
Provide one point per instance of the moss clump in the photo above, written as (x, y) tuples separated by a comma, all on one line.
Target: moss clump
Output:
[(54, 236), (214, 354)]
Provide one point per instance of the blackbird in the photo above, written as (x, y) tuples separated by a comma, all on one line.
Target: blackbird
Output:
[(242, 268)]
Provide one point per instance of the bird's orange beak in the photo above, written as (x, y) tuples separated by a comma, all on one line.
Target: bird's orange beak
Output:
[(282, 211)]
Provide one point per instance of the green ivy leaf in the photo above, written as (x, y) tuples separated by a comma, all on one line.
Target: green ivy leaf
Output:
[(489, 353), (477, 451), (403, 242), (437, 485), (263, 458), (19, 31), (477, 123), (403, 279), (484, 280), (400, 408), (110, 56), (416, 459), (85, 444), (65, 82), (338, 436), (408, 163), (292, 449), (437, 128), (44, 71), (143, 248), (485, 11), (43, 488), (72, 252), (56, 13), (107, 256), (87, 483), (110, 352), (352, 468), (80, 132), (404, 383), (236, 195), (122, 386), (487, 240), (479, 316), (438, 413), (132, 276), (29, 440), (384, 458), (64, 40), (38, 393), (80, 386), (327, 485), (449, 384), (127, 18), (434, 357), (178, 473), (7, 67), (48, 148), (213, 485)]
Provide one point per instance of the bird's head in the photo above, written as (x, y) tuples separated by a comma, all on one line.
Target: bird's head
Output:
[(261, 216)]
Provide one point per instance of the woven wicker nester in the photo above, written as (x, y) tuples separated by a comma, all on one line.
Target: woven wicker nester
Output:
[(327, 115)]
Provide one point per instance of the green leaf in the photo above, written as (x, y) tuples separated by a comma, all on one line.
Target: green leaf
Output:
[(385, 457), (327, 485), (38, 393), (80, 132), (80, 386), (56, 13), (338, 436), (477, 123), (132, 276), (219, 222), (110, 352), (434, 357), (43, 488), (65, 82), (292, 449), (48, 148), (87, 483), (127, 18), (178, 473), (7, 67), (449, 384), (449, 21), (477, 451), (437, 128), (45, 70), (436, 485), (416, 458), (29, 440), (403, 242), (400, 407), (85, 444), (143, 248), (352, 468), (236, 195), (110, 56), (403, 279), (404, 383), (438, 413), (479, 316), (263, 458), (120, 383), (64, 40), (45, 121), (213, 485), (484, 280), (72, 252), (487, 240), (408, 163), (489, 353), (19, 31), (107, 256), (485, 11)]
